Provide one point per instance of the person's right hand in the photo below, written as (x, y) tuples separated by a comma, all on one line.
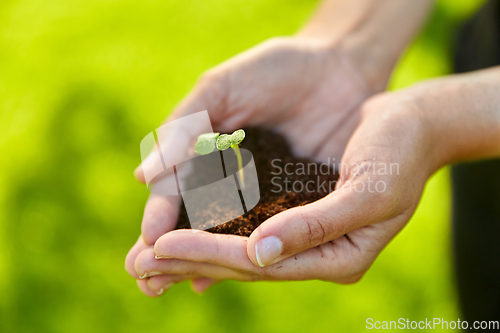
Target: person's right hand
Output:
[(336, 238), (402, 139)]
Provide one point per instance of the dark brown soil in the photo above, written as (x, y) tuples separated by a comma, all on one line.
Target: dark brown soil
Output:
[(267, 146)]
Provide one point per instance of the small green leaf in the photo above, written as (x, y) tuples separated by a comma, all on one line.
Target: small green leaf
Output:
[(223, 142), (226, 141), (237, 137), (208, 136), (206, 143)]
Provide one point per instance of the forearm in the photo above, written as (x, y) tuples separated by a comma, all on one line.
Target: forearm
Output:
[(463, 114), (373, 33)]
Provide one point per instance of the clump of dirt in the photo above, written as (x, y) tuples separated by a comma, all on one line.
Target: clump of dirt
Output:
[(304, 182)]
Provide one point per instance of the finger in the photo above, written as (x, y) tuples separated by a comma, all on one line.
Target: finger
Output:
[(144, 288), (139, 174), (301, 228), (160, 217), (146, 266), (202, 246), (336, 260), (138, 247), (200, 285), (161, 283)]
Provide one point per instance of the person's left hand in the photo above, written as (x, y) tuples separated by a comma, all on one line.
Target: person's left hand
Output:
[(334, 239)]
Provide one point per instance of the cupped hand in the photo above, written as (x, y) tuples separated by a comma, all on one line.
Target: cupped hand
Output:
[(305, 90), (383, 172)]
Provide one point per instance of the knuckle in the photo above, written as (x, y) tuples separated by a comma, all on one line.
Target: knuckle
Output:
[(269, 273), (327, 251), (212, 86), (277, 46), (170, 266), (314, 232), (277, 41), (262, 273), (208, 77), (190, 271), (143, 261)]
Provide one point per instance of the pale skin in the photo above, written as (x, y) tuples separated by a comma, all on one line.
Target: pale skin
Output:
[(324, 100)]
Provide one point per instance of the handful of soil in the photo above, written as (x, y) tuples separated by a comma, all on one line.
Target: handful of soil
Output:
[(303, 182)]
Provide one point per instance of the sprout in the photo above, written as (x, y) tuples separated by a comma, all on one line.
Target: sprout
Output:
[(223, 142), (207, 141)]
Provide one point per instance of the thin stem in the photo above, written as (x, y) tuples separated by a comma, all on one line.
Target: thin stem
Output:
[(236, 149)]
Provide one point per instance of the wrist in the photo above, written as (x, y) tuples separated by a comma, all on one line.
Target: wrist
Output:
[(369, 34), (462, 113), (370, 63)]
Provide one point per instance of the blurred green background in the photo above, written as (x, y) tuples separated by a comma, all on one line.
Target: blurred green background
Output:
[(81, 83)]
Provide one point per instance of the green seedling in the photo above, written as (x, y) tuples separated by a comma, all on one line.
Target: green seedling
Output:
[(207, 141)]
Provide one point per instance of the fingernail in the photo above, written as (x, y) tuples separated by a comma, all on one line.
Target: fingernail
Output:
[(162, 257), (267, 249), (165, 288), (149, 274)]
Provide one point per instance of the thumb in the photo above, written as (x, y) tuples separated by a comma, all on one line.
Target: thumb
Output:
[(301, 228)]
